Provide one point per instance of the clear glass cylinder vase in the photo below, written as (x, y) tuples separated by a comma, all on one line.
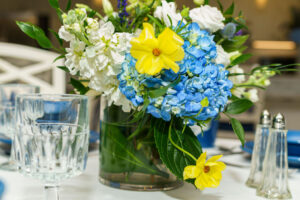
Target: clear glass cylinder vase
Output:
[(128, 155)]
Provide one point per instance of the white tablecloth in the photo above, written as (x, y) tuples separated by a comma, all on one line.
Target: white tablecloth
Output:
[(87, 187)]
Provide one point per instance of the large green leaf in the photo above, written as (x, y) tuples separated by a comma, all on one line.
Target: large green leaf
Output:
[(238, 106), (230, 10), (238, 129), (54, 4), (118, 155), (173, 158), (35, 33), (241, 59), (234, 44), (79, 86)]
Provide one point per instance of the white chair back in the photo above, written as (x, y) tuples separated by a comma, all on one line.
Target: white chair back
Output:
[(19, 63)]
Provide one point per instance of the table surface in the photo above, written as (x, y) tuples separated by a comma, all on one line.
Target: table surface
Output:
[(87, 187)]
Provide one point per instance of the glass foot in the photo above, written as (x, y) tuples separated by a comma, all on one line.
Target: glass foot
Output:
[(8, 166)]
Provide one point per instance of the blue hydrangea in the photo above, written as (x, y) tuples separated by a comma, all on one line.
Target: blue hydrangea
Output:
[(199, 78)]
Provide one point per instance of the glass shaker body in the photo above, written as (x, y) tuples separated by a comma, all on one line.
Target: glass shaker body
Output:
[(258, 155)]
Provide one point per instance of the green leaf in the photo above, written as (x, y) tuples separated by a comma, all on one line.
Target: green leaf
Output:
[(230, 10), (35, 33), (58, 58), (60, 41), (238, 106), (118, 155), (238, 129), (156, 21), (236, 43), (68, 5), (241, 59), (173, 158), (162, 90), (206, 2), (54, 4), (79, 86), (64, 68), (220, 5)]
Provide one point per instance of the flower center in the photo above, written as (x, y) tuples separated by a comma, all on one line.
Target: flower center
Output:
[(206, 169), (156, 52)]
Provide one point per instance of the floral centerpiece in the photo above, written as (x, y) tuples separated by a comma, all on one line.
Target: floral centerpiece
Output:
[(159, 71)]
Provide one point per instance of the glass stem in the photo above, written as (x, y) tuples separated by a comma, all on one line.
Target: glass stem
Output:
[(51, 192)]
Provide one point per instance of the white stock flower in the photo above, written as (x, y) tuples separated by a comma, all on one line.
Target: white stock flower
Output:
[(239, 78), (239, 91), (65, 35), (209, 18), (100, 60), (166, 12), (109, 87), (74, 55), (252, 95), (222, 56)]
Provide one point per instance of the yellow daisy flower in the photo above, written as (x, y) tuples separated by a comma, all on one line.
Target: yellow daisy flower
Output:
[(207, 173), (154, 54)]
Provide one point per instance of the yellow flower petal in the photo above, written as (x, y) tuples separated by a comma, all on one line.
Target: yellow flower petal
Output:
[(154, 54), (200, 183), (171, 44), (170, 64), (209, 172), (149, 65), (201, 160), (191, 172), (214, 158)]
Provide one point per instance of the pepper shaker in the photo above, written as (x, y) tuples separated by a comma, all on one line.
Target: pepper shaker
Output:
[(260, 145), (274, 183)]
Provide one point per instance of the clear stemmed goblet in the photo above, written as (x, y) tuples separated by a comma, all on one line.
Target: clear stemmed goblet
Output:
[(8, 94), (51, 143)]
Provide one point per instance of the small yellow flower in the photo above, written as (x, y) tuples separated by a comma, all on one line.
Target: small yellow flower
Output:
[(154, 54), (207, 173)]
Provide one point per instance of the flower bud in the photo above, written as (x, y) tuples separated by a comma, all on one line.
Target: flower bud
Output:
[(107, 7), (229, 31), (199, 2), (185, 12)]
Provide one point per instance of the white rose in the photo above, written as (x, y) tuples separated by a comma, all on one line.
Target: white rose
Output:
[(239, 78), (222, 56), (207, 17), (166, 11)]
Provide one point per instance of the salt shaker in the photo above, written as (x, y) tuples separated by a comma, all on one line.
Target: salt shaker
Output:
[(274, 183), (260, 145)]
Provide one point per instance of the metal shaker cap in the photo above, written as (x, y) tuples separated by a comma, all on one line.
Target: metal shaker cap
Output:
[(265, 118), (278, 121)]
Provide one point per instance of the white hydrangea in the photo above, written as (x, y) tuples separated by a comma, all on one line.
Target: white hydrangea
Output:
[(166, 12), (209, 18), (222, 56)]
